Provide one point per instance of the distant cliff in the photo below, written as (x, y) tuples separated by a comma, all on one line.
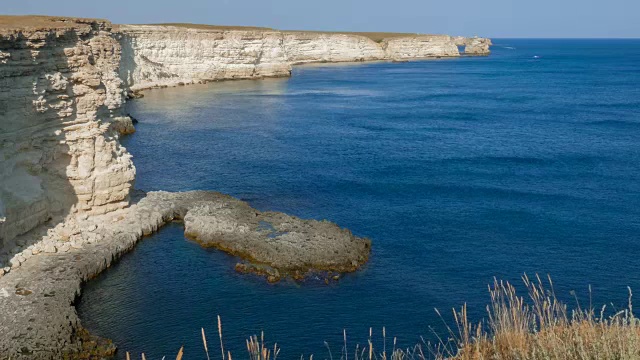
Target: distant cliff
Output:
[(154, 55)]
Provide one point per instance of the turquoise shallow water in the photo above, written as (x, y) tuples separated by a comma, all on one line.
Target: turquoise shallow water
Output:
[(459, 170)]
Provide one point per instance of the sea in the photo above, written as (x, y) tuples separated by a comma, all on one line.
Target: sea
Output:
[(461, 172)]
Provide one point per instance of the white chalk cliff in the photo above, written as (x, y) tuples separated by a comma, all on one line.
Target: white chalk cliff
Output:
[(168, 56)]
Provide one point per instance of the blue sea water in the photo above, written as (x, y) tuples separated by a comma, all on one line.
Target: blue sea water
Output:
[(459, 170)]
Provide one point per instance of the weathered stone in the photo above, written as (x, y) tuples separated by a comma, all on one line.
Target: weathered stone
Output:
[(50, 248), (64, 247), (56, 142)]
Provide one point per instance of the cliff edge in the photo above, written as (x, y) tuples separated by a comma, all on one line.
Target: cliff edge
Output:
[(170, 55), (61, 101)]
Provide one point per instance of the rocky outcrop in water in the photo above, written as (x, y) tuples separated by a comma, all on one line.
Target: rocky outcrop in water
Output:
[(43, 323), (156, 56), (281, 244)]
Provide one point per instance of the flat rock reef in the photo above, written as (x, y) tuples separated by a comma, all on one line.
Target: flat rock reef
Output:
[(274, 244)]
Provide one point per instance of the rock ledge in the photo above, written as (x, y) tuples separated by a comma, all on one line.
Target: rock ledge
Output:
[(41, 292)]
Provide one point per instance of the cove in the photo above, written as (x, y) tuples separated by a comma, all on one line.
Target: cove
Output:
[(459, 170)]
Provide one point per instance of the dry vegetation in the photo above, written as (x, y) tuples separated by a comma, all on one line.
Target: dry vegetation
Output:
[(35, 22), (375, 36), (534, 327)]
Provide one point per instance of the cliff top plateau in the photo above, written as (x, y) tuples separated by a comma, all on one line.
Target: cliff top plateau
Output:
[(29, 23), (18, 23)]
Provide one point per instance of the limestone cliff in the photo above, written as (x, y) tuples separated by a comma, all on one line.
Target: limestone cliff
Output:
[(60, 100), (62, 90), (309, 47), (156, 56), (419, 47), (475, 46), (168, 56)]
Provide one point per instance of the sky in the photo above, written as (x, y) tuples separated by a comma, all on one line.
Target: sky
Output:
[(491, 18)]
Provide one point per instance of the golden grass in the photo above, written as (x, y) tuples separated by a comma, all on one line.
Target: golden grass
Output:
[(533, 327), (34, 22)]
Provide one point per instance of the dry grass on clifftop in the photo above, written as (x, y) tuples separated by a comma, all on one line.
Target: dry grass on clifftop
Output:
[(38, 22), (534, 327)]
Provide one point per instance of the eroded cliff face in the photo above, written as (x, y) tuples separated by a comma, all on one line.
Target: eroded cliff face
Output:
[(156, 56), (419, 47), (62, 86), (61, 102), (168, 56)]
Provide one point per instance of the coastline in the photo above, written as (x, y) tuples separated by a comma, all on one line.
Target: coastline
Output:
[(77, 243)]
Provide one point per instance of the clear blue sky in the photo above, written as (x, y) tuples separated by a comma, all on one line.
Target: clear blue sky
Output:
[(494, 18)]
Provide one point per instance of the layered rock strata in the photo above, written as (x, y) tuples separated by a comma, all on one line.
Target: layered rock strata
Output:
[(65, 181), (42, 322), (284, 245), (60, 97), (156, 56)]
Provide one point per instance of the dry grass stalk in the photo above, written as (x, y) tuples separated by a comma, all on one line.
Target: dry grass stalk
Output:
[(220, 334), (204, 342)]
